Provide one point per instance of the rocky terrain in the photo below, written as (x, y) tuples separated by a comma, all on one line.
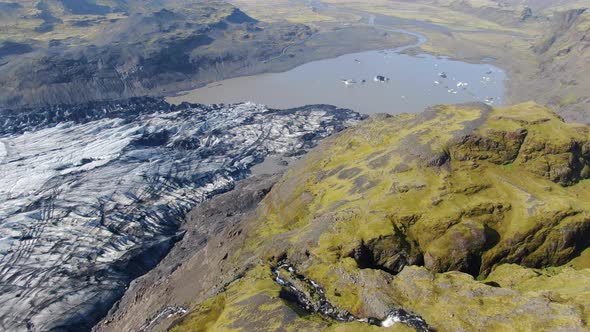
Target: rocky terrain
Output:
[(58, 51), (459, 218), (213, 230), (94, 195), (565, 50)]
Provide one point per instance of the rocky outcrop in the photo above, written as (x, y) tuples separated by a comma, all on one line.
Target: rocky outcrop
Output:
[(93, 196), (459, 303), (565, 161), (414, 212), (459, 249), (498, 147)]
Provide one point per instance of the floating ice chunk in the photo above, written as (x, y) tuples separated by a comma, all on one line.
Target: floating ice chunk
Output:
[(380, 78)]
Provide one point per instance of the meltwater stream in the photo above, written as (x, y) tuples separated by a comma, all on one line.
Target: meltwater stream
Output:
[(311, 298)]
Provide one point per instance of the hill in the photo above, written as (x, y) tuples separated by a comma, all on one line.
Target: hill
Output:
[(458, 218), (60, 51)]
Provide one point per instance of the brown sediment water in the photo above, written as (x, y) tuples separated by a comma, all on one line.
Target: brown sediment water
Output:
[(413, 83)]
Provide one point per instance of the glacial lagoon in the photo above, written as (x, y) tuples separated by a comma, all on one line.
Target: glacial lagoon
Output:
[(414, 82)]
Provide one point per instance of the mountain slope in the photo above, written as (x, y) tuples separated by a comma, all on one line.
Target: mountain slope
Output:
[(564, 52), (59, 51), (397, 216)]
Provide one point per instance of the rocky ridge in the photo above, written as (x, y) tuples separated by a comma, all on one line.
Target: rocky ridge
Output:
[(93, 196), (60, 51)]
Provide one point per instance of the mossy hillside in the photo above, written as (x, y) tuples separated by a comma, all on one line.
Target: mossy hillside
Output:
[(454, 301), (455, 188), (253, 300), (450, 301), (30, 19), (563, 285), (582, 261), (254, 303), (384, 179), (436, 181)]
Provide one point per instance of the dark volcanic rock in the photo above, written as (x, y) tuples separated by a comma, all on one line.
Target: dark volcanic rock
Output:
[(13, 48)]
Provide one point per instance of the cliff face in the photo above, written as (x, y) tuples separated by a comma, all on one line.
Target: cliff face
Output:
[(564, 59), (463, 217)]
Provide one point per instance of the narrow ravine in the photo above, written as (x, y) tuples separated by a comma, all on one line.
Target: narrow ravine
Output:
[(311, 297)]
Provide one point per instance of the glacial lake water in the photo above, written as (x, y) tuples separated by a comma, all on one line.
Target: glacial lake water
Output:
[(415, 83)]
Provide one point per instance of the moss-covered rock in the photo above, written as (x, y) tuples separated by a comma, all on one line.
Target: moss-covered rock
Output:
[(499, 147), (559, 285), (454, 301), (459, 249), (255, 303), (459, 190)]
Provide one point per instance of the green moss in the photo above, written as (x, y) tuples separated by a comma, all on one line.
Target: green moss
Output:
[(582, 261), (349, 201), (204, 317), (561, 285), (248, 304), (454, 301), (465, 188)]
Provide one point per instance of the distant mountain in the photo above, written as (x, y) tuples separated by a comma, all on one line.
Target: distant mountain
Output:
[(565, 54), (62, 51)]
